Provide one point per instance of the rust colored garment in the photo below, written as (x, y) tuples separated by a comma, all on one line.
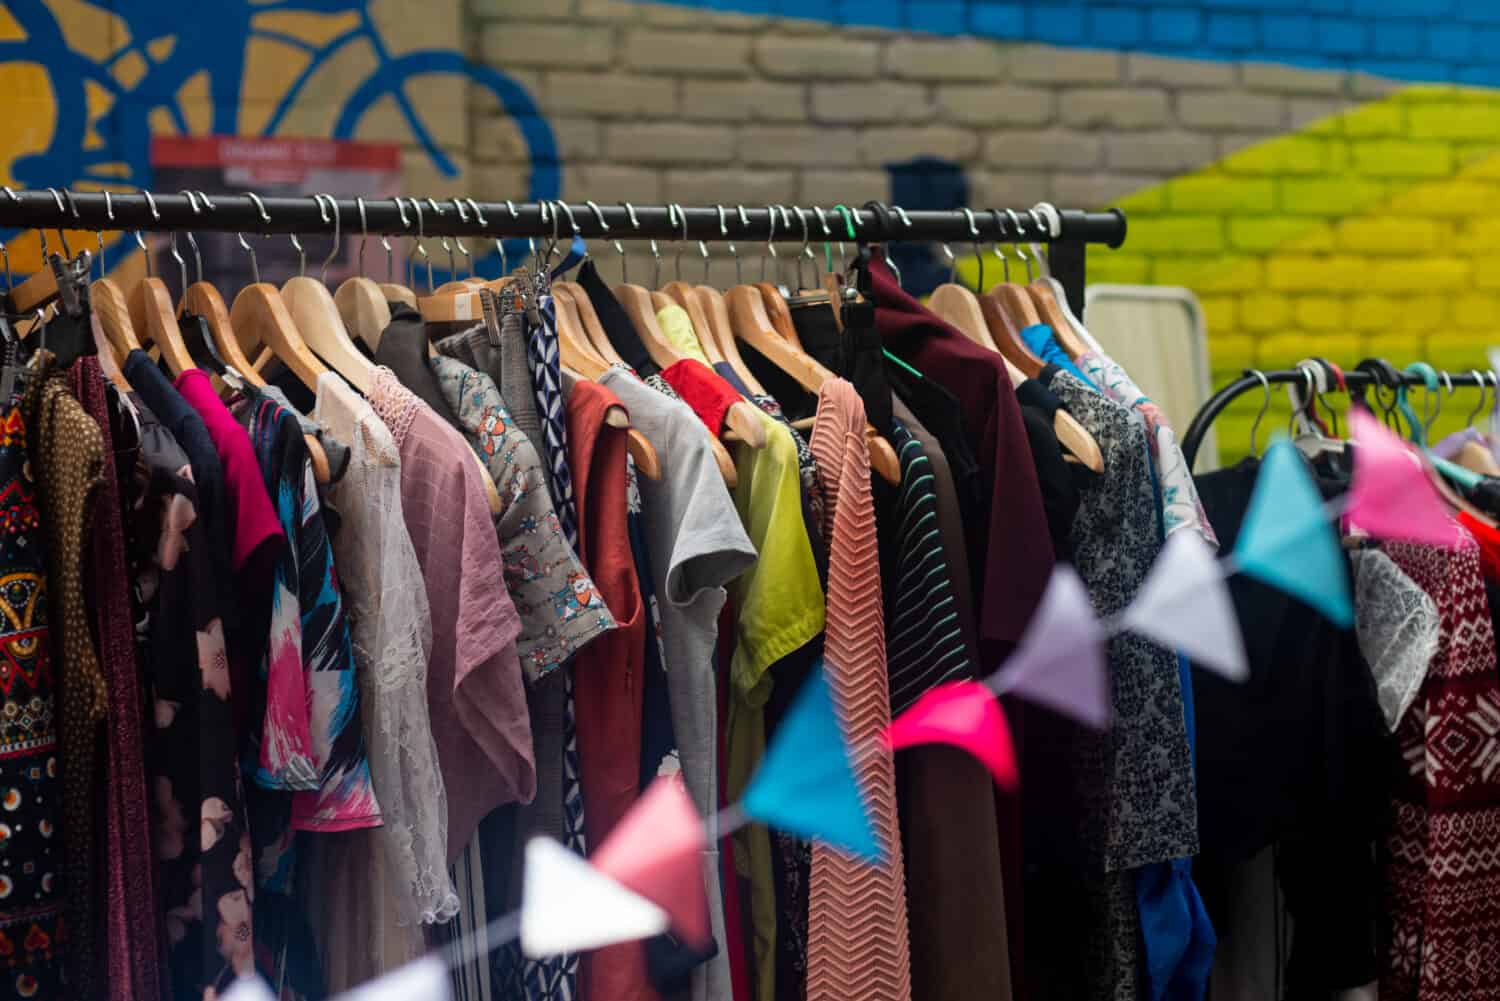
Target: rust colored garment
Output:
[(607, 673), (857, 932), (67, 451), (132, 949)]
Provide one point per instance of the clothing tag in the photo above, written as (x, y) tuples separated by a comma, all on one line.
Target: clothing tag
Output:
[(463, 307)]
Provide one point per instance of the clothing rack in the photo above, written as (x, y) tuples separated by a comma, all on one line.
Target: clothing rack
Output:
[(1356, 380), (1067, 232)]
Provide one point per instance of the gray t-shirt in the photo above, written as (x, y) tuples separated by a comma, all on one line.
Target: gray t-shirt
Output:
[(697, 546)]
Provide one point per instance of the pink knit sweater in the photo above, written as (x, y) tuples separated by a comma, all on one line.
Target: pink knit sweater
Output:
[(857, 935)]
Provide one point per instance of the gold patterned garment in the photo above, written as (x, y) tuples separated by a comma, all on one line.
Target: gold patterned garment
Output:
[(67, 458)]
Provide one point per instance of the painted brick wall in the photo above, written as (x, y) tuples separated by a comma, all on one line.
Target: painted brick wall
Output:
[(1316, 199)]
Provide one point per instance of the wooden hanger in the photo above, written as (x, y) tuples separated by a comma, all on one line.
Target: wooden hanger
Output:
[(1053, 316), (1001, 307), (967, 318), (748, 320), (961, 309), (113, 313), (593, 329), (741, 418), (364, 308), (316, 317), (263, 326), (577, 354), (574, 349), (779, 313), (720, 332), (151, 312), (202, 299), (681, 293)]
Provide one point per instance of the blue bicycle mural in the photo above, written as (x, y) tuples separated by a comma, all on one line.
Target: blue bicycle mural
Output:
[(213, 40)]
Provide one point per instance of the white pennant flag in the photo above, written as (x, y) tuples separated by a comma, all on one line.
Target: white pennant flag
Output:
[(251, 988), (426, 979), (1060, 661), (1184, 605), (568, 906)]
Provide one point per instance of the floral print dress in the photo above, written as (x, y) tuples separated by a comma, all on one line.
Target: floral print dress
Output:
[(205, 877)]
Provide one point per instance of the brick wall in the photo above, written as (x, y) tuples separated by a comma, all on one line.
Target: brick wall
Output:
[(1316, 206)]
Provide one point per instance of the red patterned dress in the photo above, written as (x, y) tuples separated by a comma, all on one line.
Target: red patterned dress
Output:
[(1442, 870)]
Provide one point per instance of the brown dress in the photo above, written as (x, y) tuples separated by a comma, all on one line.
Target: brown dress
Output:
[(67, 457)]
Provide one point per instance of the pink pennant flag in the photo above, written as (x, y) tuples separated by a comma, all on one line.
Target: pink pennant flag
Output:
[(1390, 496), (657, 850), (1060, 662), (967, 715)]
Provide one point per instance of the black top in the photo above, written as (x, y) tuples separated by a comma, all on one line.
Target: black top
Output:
[(403, 349), (618, 326), (184, 424), (941, 414), (1061, 481), (1298, 756), (853, 353)]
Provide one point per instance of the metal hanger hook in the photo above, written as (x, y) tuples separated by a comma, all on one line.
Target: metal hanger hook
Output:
[(443, 238), (192, 240), (572, 224), (364, 233), (974, 235), (770, 244), (677, 217), (619, 247), (1265, 385), (254, 267), (734, 251), (260, 207), (177, 256), (1483, 392), (999, 232), (1016, 237), (60, 235), (333, 250), (806, 250), (140, 241)]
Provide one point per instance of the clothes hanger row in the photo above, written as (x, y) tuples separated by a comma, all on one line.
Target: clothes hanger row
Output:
[(1313, 378), (310, 329), (995, 318)]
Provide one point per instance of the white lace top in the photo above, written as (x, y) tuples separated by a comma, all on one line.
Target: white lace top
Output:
[(391, 630), (1397, 624)]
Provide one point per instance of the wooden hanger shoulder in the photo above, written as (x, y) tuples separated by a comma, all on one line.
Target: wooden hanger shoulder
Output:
[(398, 293), (202, 299), (451, 307), (779, 313), (1052, 315), (364, 309), (685, 296), (593, 329), (1076, 439), (637, 304), (317, 318), (751, 324), (151, 312), (113, 313), (574, 350), (716, 311), (262, 325), (1006, 334), (960, 308)]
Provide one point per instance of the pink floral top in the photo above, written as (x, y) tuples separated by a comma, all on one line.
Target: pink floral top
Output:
[(1180, 506)]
